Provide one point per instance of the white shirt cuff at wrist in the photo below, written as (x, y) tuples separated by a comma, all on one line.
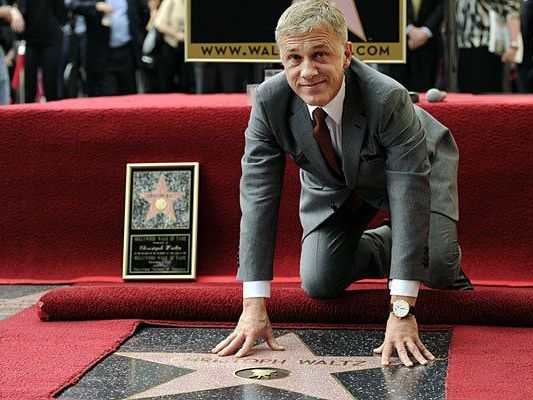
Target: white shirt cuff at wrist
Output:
[(402, 287), (255, 289), (427, 31)]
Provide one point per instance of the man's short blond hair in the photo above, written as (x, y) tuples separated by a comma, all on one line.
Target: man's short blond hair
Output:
[(306, 15)]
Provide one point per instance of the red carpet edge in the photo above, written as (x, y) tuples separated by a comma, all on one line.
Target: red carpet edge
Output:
[(287, 305)]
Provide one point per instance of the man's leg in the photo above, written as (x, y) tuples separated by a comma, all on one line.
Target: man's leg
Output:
[(30, 73), (424, 64), (127, 81), (4, 80), (398, 72), (374, 253), (339, 252), (445, 255), (51, 58), (104, 84), (330, 259)]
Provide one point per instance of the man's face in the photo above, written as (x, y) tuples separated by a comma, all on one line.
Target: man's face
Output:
[(314, 64)]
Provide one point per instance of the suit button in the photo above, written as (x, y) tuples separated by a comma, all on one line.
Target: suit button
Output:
[(333, 206)]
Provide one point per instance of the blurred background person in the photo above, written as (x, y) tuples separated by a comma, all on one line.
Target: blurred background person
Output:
[(73, 80), (525, 69), (424, 46), (481, 71), (42, 32), (174, 74), (6, 43), (115, 33), (149, 59), (222, 77)]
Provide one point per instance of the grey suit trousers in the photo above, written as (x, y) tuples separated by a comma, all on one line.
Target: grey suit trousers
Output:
[(340, 252)]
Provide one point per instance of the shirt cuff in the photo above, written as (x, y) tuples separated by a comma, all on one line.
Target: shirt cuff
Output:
[(255, 289), (402, 287), (427, 31)]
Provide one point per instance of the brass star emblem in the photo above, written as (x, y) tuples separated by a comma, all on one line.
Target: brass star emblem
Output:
[(263, 373)]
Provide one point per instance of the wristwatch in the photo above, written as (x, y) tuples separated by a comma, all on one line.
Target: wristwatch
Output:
[(514, 44), (401, 308)]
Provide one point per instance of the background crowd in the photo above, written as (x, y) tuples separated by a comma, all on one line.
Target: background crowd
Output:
[(73, 48)]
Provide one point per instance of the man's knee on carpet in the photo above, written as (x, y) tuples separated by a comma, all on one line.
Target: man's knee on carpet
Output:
[(444, 267), (321, 292), (325, 265), (324, 285)]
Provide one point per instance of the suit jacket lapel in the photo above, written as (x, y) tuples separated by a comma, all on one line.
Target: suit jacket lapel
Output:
[(302, 129), (353, 130)]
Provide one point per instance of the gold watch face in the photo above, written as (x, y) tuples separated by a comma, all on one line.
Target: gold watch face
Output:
[(400, 308)]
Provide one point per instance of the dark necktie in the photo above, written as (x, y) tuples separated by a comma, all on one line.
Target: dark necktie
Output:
[(323, 138), (321, 134)]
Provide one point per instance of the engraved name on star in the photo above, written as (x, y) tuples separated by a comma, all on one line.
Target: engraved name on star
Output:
[(161, 201), (310, 375), (352, 17)]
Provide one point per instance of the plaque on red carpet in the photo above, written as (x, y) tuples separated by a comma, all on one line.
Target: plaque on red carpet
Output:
[(160, 222), (244, 31)]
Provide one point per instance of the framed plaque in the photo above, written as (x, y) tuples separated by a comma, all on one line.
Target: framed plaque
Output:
[(160, 224), (243, 30)]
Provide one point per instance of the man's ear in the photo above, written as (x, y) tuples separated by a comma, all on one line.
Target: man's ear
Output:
[(347, 54)]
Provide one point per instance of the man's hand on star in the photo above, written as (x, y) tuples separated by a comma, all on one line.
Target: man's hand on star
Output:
[(417, 37), (402, 335), (253, 324)]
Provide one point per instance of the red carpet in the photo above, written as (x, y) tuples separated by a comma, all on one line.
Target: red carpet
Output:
[(62, 175), (490, 363), (39, 359), (288, 304)]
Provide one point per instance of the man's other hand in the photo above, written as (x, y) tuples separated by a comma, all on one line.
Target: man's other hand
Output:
[(17, 21), (417, 38), (10, 58), (253, 324), (402, 335), (104, 7), (509, 56)]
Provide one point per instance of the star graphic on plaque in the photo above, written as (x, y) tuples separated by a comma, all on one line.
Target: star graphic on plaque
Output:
[(353, 20), (161, 201), (296, 369)]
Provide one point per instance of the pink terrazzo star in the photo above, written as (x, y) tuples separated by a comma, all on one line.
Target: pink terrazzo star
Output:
[(161, 201), (311, 375), (352, 17)]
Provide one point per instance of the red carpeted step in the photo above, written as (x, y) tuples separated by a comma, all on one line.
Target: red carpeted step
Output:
[(288, 304), (62, 175)]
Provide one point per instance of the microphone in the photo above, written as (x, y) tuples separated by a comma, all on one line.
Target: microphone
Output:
[(435, 95)]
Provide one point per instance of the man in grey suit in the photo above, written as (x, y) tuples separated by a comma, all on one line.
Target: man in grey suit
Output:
[(361, 146)]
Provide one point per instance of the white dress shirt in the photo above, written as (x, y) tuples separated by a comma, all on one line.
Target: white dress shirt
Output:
[(398, 287)]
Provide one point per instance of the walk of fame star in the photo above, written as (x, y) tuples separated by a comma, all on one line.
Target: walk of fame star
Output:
[(161, 201), (209, 371), (349, 9)]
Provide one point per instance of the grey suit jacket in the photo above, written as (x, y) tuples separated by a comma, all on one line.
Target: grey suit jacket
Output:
[(394, 155)]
